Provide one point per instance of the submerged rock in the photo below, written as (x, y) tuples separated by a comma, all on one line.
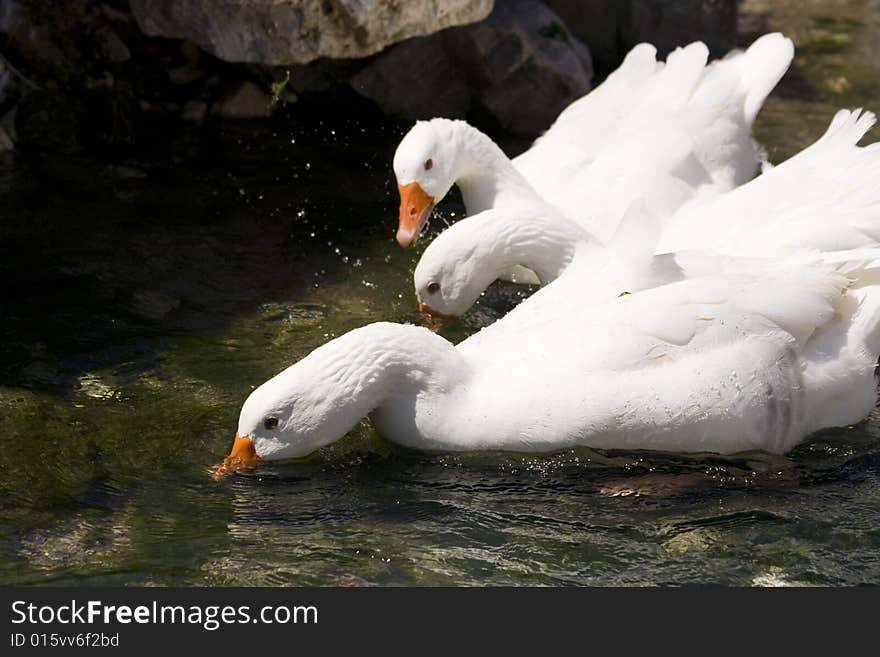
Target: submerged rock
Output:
[(111, 45), (299, 31), (194, 110), (6, 143), (247, 101)]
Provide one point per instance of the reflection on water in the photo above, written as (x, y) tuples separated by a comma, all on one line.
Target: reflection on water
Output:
[(142, 303)]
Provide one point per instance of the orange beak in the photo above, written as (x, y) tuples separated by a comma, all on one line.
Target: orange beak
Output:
[(436, 320), (242, 457), (415, 208)]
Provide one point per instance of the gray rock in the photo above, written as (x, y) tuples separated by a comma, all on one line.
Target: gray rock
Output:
[(112, 47), (152, 304), (186, 74), (7, 124), (298, 31), (247, 101), (194, 110), (402, 85), (521, 65), (671, 23), (524, 64), (6, 143), (612, 27), (9, 88), (603, 24)]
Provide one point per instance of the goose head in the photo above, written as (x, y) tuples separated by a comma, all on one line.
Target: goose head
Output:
[(319, 399), (288, 416), (454, 271), (312, 403), (425, 167), (470, 255)]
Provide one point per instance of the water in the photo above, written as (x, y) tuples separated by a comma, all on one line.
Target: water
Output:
[(142, 301)]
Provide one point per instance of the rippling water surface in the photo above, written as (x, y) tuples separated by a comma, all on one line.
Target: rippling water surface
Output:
[(142, 302)]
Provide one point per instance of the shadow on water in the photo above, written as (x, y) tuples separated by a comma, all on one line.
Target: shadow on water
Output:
[(143, 299), (145, 251)]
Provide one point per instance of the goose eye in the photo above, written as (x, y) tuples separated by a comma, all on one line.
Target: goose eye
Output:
[(428, 164), (433, 288), (270, 423)]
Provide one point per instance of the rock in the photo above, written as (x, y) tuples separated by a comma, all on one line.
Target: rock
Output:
[(7, 123), (123, 172), (281, 32), (402, 86), (45, 121), (671, 23), (695, 540), (248, 101), (525, 65), (777, 577), (6, 143), (11, 15), (349, 579), (521, 65), (194, 110), (112, 47), (612, 27), (9, 88), (603, 24), (186, 74), (152, 304)]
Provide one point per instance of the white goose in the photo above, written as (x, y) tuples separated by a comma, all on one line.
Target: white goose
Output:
[(627, 119), (824, 198), (762, 353), (755, 355)]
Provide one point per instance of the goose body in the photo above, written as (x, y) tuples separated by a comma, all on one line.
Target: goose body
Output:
[(761, 354), (685, 351)]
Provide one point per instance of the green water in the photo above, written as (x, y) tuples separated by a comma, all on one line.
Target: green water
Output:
[(142, 301)]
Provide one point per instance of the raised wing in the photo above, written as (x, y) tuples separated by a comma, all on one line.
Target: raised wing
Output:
[(826, 197)]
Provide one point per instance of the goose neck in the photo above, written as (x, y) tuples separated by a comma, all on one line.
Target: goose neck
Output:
[(486, 177)]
